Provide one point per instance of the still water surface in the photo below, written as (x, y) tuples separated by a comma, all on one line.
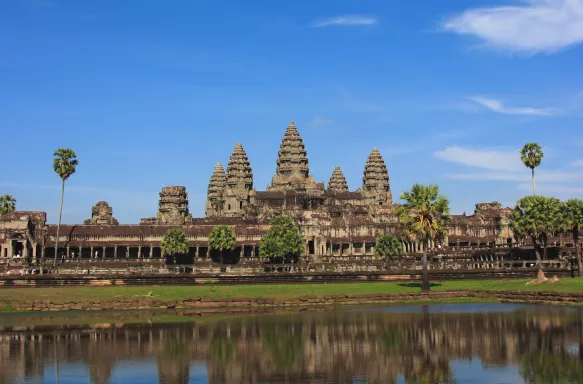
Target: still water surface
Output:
[(488, 343)]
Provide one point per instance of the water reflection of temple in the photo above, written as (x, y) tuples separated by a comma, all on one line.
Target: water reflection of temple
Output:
[(336, 346)]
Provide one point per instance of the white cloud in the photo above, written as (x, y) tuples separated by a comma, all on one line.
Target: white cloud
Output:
[(548, 176), (498, 106), (346, 21), (537, 26), (320, 121), (553, 189), (487, 159)]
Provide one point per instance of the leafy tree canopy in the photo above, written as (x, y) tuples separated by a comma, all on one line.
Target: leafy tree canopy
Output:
[(537, 217), (174, 242), (222, 238), (7, 204), (573, 211), (425, 213), (65, 162), (388, 245), (282, 240)]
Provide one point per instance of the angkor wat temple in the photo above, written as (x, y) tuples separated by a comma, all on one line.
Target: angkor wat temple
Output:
[(334, 221)]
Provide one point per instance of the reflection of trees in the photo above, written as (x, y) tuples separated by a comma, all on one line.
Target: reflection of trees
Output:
[(331, 347), (285, 346)]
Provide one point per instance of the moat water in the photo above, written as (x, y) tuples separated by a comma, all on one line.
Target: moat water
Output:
[(457, 343)]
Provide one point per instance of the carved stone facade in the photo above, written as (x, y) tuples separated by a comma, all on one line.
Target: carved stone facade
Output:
[(334, 221), (101, 214)]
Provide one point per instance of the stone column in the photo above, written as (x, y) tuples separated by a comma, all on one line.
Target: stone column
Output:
[(253, 251), (140, 252), (115, 252), (242, 253), (68, 252), (92, 254), (151, 251), (197, 253), (351, 249)]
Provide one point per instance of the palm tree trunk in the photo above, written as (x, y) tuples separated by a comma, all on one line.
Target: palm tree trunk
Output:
[(425, 281), (533, 182), (59, 224)]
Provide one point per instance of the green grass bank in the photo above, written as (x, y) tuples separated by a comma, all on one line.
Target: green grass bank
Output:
[(277, 291)]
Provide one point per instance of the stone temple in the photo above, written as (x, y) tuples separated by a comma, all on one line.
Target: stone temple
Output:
[(336, 222)]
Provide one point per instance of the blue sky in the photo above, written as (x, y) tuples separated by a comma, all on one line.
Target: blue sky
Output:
[(152, 93)]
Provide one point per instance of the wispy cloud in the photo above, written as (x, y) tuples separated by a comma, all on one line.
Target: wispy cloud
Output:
[(499, 107), (482, 158), (345, 21), (576, 163), (320, 121), (537, 26), (555, 189), (548, 176)]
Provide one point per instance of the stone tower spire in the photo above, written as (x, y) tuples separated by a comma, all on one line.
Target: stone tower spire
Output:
[(337, 181), (239, 183), (375, 181), (217, 184), (292, 156), (239, 174), (293, 172)]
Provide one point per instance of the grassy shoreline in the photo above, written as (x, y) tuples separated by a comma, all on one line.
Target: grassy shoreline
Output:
[(278, 291)]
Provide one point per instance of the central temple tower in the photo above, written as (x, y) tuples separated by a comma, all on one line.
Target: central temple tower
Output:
[(293, 172)]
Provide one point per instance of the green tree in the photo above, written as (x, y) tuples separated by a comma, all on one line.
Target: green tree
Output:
[(388, 245), (65, 164), (532, 155), (538, 218), (222, 239), (174, 242), (7, 204), (574, 222), (424, 216), (282, 241)]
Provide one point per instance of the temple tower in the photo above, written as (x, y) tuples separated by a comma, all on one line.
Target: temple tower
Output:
[(239, 182), (173, 206), (292, 172), (337, 181), (101, 214), (216, 191), (375, 180)]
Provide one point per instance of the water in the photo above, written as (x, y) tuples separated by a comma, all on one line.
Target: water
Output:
[(491, 343)]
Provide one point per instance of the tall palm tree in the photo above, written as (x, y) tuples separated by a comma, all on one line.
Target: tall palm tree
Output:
[(574, 220), (65, 164), (531, 156), (424, 216), (7, 204)]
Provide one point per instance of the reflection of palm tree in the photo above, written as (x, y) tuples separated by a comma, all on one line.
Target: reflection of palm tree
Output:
[(222, 350), (173, 360), (551, 367)]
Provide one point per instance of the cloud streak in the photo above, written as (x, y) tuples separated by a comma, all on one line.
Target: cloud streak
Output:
[(480, 158), (499, 107), (535, 27), (345, 21)]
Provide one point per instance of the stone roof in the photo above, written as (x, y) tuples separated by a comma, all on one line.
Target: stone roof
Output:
[(376, 176), (292, 156), (217, 183), (239, 174), (337, 181)]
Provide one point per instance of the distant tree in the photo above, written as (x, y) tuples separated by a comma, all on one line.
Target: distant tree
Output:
[(282, 241), (574, 222), (65, 164), (538, 218), (388, 246), (424, 216), (7, 204), (222, 239), (174, 242), (531, 156)]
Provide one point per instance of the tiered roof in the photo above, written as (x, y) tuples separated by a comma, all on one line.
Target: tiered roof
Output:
[(292, 156), (337, 181), (239, 174), (376, 176), (217, 183)]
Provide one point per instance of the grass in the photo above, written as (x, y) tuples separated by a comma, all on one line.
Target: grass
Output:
[(167, 293)]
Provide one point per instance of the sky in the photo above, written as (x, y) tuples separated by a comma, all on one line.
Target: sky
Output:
[(151, 93)]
